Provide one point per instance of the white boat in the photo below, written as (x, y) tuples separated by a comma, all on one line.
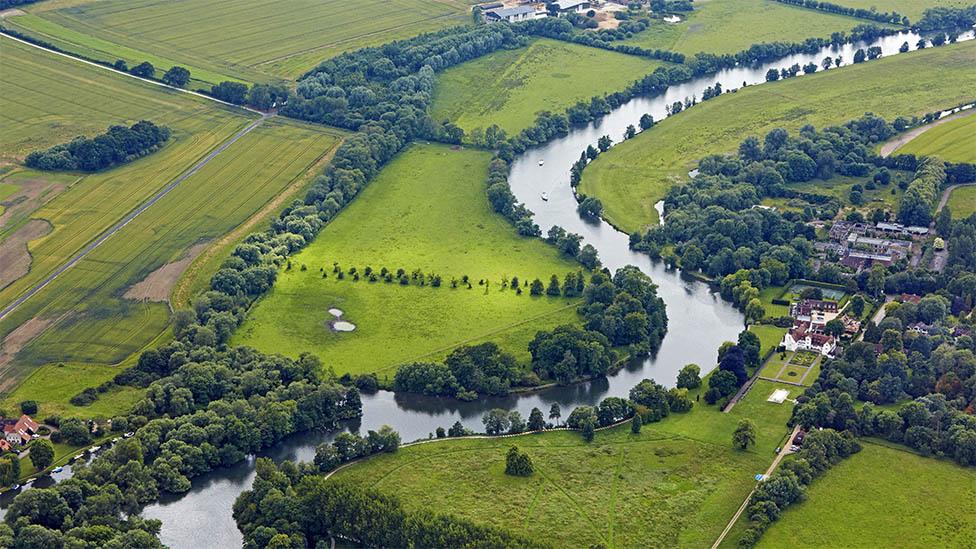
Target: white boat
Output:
[(541, 162), (58, 469), (545, 196)]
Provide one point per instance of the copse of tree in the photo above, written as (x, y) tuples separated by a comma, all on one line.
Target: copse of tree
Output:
[(689, 377), (176, 76), (143, 70), (231, 92), (518, 464), (946, 18), (118, 145), (347, 447)]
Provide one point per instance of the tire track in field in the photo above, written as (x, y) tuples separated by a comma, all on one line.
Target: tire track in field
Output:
[(129, 217)]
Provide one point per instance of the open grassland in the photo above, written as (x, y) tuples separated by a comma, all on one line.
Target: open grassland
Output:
[(962, 202), (674, 485), (954, 141), (53, 385), (912, 8), (883, 497), (886, 197), (427, 210), (510, 87), (719, 26), (112, 303), (252, 40), (635, 174)]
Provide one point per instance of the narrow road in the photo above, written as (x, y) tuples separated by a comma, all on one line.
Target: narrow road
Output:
[(891, 146), (779, 457), (123, 73), (945, 196), (132, 215)]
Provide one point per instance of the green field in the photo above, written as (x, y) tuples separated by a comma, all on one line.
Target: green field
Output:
[(962, 202), (799, 367), (53, 385), (87, 313), (251, 40), (510, 87), (954, 141), (885, 197), (635, 174), (769, 336), (675, 484), (883, 497), (426, 210), (912, 8), (729, 26)]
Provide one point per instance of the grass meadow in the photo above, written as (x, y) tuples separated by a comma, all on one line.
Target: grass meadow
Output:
[(635, 174), (962, 202), (53, 385), (883, 497), (426, 210), (86, 315), (510, 87), (250, 40), (886, 197), (954, 141), (675, 484), (912, 8), (715, 26)]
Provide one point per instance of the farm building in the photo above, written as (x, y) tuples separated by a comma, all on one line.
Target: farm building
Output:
[(19, 431), (511, 15), (572, 6)]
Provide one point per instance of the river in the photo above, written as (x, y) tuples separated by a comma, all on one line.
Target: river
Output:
[(698, 319)]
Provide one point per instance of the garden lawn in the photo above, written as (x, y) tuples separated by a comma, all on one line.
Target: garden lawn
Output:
[(962, 202), (769, 336), (883, 497), (426, 210), (954, 141), (767, 295), (53, 385), (252, 40), (88, 316), (635, 174), (729, 26), (675, 484), (510, 87)]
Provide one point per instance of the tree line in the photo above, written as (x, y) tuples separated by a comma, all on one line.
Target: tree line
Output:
[(923, 193), (892, 17), (118, 145)]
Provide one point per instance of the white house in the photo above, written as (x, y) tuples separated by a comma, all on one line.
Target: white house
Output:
[(512, 15), (801, 338)]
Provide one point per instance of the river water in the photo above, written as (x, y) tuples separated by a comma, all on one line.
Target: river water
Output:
[(698, 319)]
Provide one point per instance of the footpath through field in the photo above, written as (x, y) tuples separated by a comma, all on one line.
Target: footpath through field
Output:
[(891, 146)]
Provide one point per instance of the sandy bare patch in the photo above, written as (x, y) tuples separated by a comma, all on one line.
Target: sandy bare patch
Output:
[(159, 283), (14, 342), (33, 193), (13, 12), (15, 258)]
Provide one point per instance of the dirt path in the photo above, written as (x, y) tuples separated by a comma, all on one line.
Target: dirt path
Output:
[(948, 191), (779, 457), (900, 141), (132, 215), (15, 256)]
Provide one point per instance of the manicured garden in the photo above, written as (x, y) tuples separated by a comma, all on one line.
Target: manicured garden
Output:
[(634, 175), (427, 210)]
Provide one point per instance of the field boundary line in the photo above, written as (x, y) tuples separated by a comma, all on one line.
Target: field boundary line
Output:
[(130, 216), (116, 71)]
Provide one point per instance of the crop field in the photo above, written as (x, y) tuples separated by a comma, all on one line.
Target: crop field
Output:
[(962, 202), (633, 175), (112, 303), (673, 485), (510, 87), (883, 497), (715, 27), (954, 141), (426, 210), (251, 40)]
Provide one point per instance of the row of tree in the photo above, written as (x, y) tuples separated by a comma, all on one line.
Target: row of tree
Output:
[(923, 193), (892, 17), (118, 145)]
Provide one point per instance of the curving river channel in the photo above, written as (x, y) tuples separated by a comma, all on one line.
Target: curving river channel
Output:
[(698, 319)]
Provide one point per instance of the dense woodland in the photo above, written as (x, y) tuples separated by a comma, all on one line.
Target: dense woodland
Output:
[(118, 145)]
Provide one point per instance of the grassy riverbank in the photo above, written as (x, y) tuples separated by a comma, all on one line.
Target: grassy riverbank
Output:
[(635, 174), (427, 210)]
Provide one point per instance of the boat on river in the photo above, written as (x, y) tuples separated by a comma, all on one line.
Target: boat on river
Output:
[(545, 196)]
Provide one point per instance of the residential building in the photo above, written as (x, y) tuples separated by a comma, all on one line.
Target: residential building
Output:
[(19, 431), (802, 338), (863, 260), (806, 309)]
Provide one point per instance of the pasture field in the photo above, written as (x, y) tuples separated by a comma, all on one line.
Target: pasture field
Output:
[(883, 497), (250, 40), (426, 210), (113, 302), (962, 202), (510, 87), (53, 385), (954, 141), (635, 174), (673, 485), (912, 8), (715, 26)]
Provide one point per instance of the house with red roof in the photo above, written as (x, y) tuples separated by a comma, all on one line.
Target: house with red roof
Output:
[(20, 431)]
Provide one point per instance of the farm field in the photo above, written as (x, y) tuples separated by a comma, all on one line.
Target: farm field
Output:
[(53, 385), (954, 141), (673, 485), (250, 40), (426, 210), (962, 202), (633, 175), (876, 497), (113, 302), (713, 27), (912, 8), (510, 87)]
